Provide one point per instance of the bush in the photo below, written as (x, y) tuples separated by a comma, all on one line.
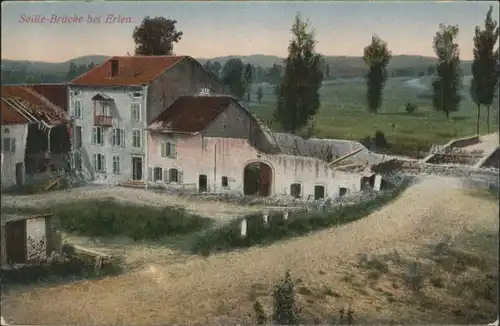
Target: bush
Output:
[(410, 107), (228, 236), (285, 309), (380, 140), (110, 218)]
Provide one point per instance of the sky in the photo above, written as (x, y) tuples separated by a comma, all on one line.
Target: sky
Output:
[(214, 29)]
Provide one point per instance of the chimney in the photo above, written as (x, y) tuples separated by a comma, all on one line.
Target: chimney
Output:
[(114, 67)]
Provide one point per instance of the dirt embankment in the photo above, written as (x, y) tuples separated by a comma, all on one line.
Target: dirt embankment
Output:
[(326, 265)]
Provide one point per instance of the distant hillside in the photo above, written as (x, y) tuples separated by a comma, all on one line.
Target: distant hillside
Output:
[(54, 68), (339, 65)]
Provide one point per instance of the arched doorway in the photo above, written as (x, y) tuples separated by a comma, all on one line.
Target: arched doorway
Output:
[(257, 179)]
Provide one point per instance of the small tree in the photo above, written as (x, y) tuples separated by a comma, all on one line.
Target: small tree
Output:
[(260, 94), (376, 56), (285, 309), (156, 36), (410, 107), (448, 83), (232, 76)]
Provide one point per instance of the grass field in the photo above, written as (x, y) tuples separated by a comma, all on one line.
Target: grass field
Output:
[(343, 115)]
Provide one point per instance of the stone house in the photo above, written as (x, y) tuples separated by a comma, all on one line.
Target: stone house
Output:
[(34, 133), (27, 239), (113, 103), (213, 144)]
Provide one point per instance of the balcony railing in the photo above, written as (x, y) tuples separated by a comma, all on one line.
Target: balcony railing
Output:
[(103, 120)]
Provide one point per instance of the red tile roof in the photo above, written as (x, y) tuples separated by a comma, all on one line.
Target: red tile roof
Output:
[(56, 93), (191, 113), (132, 70), (32, 104), (10, 116)]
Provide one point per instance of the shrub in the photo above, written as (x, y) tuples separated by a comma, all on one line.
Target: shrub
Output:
[(260, 315), (285, 309), (110, 218), (228, 236), (410, 107), (380, 140)]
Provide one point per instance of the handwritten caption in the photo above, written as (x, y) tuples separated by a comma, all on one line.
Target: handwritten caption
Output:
[(75, 19)]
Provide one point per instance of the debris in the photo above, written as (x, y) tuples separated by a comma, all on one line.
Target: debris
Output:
[(343, 157), (52, 184)]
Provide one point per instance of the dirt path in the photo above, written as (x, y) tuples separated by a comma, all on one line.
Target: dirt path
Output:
[(486, 144), (217, 210), (218, 288)]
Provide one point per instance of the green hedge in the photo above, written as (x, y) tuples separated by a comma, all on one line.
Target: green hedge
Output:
[(76, 268), (111, 218), (228, 236)]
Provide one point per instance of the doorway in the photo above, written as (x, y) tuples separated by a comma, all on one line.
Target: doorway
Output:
[(202, 183), (19, 174), (257, 178), (319, 192), (16, 241), (136, 168)]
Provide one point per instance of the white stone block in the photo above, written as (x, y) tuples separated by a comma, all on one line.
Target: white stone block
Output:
[(377, 183), (244, 228), (265, 216)]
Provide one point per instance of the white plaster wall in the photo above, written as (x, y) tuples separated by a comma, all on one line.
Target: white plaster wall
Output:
[(36, 242), (217, 157), (8, 171), (121, 119)]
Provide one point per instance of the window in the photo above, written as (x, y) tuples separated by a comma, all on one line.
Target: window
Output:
[(342, 191), (8, 145), (99, 163), (168, 149), (173, 175), (97, 136), (296, 190), (225, 181), (118, 139), (135, 109), (319, 192), (157, 174), (77, 109), (136, 138), (116, 164), (103, 109), (137, 95)]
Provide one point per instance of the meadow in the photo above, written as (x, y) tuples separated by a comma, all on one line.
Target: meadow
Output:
[(343, 114)]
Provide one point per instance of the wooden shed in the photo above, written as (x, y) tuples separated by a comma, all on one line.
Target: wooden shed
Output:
[(27, 238)]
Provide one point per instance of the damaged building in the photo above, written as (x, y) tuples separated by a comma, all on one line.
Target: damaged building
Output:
[(113, 103), (35, 132), (213, 144)]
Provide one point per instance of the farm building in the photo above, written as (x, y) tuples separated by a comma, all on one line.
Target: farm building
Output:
[(113, 103), (34, 131), (213, 144)]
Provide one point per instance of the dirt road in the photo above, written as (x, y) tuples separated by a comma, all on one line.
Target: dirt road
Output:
[(221, 287)]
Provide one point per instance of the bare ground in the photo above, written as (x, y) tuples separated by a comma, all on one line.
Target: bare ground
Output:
[(326, 264)]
